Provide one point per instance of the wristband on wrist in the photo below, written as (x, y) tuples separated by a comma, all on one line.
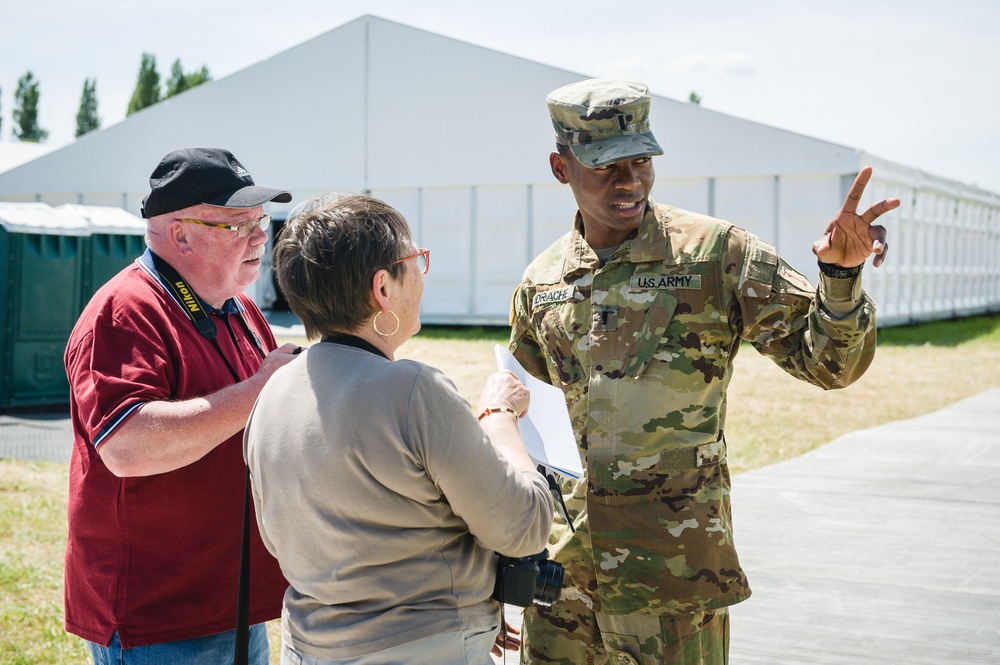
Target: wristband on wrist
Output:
[(498, 409), (835, 271)]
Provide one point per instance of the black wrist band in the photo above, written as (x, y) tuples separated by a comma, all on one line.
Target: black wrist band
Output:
[(832, 270)]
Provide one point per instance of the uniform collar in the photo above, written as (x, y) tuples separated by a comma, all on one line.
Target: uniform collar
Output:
[(647, 244)]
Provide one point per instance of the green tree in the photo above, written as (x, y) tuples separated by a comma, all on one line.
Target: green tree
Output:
[(147, 87), (86, 117), (179, 81), (694, 98), (26, 111)]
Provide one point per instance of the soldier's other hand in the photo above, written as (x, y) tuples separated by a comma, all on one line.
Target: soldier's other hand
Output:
[(851, 238)]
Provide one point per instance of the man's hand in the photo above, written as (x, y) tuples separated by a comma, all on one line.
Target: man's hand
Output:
[(508, 639), (850, 238), (281, 356), (164, 435)]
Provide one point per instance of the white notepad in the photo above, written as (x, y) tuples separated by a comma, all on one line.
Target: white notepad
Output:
[(546, 430)]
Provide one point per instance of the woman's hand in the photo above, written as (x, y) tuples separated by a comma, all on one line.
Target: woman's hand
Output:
[(504, 389)]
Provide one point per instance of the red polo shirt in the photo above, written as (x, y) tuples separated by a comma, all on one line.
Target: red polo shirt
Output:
[(156, 558)]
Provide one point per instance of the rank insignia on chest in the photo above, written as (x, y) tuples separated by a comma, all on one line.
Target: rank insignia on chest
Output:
[(605, 318), (553, 296), (641, 282)]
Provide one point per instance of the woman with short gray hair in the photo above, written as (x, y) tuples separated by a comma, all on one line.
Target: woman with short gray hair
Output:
[(376, 488)]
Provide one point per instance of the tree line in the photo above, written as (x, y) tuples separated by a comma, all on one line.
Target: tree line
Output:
[(148, 91)]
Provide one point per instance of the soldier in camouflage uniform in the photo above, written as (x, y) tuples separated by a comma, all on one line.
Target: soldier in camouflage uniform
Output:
[(637, 314)]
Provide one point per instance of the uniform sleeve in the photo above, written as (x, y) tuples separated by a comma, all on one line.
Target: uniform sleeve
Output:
[(506, 510), (824, 335), (524, 344)]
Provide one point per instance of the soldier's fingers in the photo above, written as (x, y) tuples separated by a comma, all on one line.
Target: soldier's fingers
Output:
[(880, 254), (857, 190), (823, 244), (878, 233), (879, 209), (880, 246)]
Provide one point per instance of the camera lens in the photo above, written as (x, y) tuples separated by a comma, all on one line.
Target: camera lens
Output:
[(548, 582)]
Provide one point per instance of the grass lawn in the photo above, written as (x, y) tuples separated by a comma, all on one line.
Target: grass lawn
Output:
[(771, 417)]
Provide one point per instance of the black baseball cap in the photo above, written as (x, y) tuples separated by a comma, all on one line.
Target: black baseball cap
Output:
[(211, 176)]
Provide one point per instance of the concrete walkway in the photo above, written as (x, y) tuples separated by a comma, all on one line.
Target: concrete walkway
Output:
[(882, 546)]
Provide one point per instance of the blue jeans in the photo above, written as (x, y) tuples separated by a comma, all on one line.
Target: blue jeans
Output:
[(208, 650)]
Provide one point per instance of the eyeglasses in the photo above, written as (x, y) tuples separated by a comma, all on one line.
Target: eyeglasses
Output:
[(243, 229), (423, 257)]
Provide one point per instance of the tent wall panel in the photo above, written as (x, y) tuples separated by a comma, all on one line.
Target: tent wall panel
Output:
[(500, 248), (686, 193), (748, 202), (445, 215)]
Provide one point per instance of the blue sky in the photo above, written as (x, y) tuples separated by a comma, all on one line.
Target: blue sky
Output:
[(916, 82)]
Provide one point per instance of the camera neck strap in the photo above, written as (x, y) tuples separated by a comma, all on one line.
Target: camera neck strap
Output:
[(205, 325), (198, 314)]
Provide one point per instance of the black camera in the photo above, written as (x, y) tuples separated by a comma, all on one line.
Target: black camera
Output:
[(528, 579)]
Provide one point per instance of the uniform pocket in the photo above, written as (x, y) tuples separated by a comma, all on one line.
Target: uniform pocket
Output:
[(669, 549), (558, 342)]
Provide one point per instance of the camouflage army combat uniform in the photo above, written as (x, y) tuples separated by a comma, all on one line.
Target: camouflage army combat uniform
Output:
[(643, 347)]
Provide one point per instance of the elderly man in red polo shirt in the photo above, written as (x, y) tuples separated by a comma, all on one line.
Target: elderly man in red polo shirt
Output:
[(164, 366)]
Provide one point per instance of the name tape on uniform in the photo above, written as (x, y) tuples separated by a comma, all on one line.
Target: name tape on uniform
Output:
[(665, 282), (555, 295)]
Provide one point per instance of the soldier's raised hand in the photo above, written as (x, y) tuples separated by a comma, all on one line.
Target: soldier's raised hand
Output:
[(851, 238)]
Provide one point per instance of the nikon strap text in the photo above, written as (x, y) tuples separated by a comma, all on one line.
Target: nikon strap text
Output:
[(196, 311)]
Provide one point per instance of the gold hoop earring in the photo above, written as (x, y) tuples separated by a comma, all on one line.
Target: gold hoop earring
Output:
[(375, 324)]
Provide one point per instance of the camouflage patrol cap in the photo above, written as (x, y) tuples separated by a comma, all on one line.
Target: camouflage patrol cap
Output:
[(603, 120)]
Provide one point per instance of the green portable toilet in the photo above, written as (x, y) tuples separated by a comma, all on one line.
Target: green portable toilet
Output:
[(117, 238), (42, 256)]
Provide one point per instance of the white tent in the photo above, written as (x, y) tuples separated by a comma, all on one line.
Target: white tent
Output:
[(15, 153), (457, 137)]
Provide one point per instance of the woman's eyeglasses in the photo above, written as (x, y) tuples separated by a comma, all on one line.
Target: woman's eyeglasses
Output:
[(243, 229), (423, 257)]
